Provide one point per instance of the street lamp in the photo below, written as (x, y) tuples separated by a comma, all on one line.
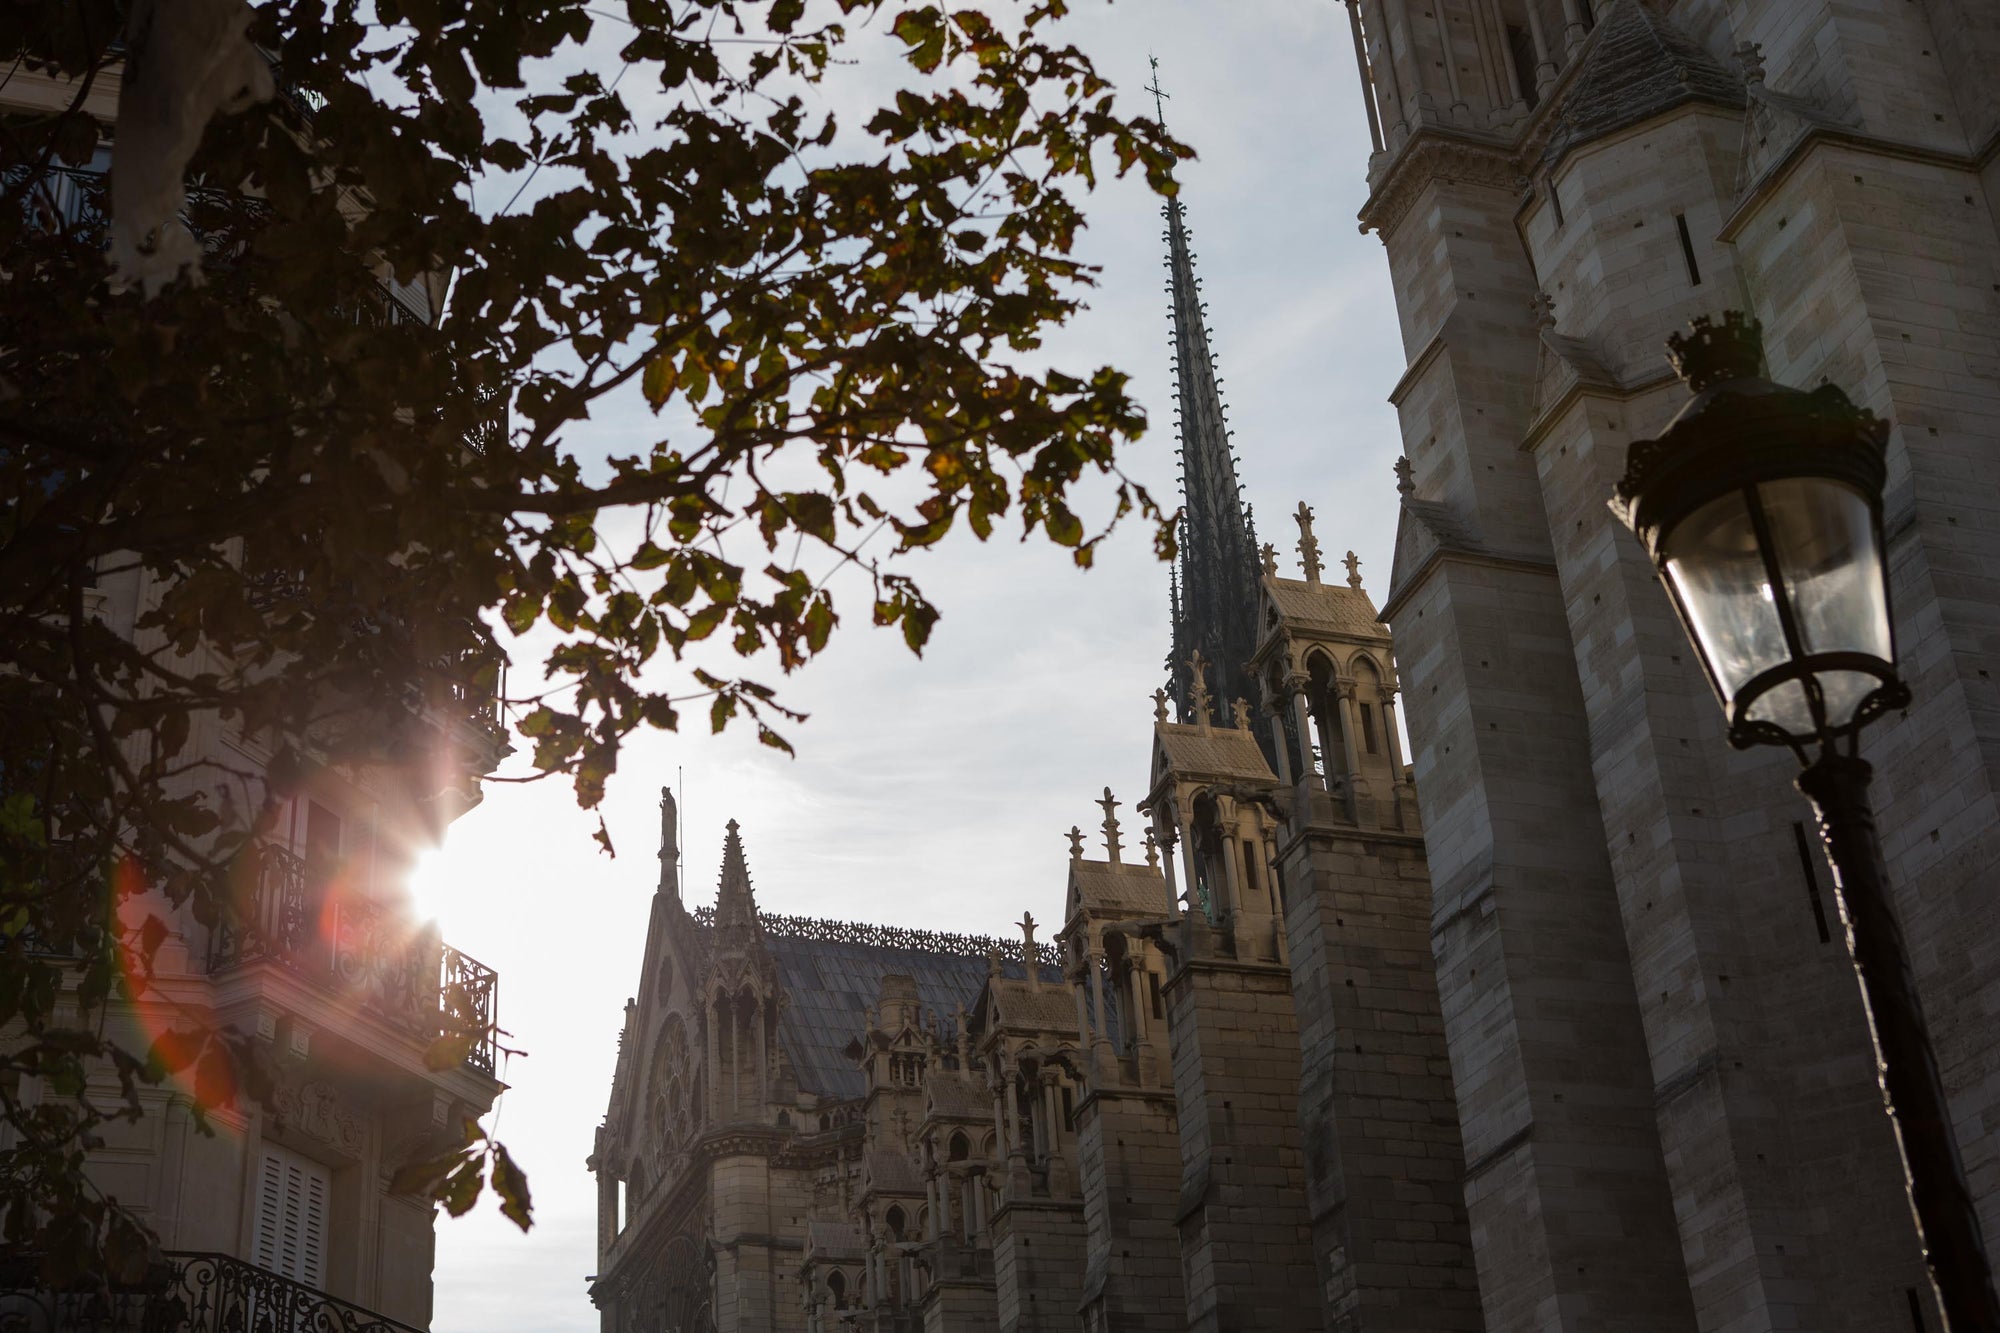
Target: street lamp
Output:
[(1761, 507)]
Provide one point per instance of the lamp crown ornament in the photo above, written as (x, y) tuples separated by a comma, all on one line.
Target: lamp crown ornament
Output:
[(1712, 352)]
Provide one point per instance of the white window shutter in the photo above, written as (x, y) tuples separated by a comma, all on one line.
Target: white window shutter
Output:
[(293, 1194)]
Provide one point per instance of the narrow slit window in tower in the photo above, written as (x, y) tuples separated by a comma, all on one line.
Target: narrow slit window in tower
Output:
[(1687, 249)]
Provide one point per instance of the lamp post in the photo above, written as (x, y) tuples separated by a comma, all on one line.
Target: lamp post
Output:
[(1761, 507)]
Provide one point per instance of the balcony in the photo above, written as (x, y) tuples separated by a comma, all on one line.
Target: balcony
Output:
[(182, 1293), (364, 953)]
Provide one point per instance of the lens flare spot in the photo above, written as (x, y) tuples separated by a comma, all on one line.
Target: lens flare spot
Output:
[(432, 886)]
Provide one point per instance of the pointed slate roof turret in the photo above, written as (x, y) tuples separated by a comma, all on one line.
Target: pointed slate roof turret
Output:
[(1638, 64), (735, 901), (1215, 586)]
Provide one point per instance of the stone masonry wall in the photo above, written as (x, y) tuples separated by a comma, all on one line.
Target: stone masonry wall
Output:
[(1778, 1155), (1384, 1162), (1038, 1265), (1246, 1249), (1128, 1150)]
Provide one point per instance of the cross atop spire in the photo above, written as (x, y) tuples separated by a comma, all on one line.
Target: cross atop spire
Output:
[(1110, 807), (1308, 544), (1159, 97)]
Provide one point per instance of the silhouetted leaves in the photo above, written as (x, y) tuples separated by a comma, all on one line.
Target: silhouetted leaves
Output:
[(325, 506)]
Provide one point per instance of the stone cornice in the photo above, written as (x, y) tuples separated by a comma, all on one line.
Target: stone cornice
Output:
[(1421, 574), (1417, 368), (1817, 136), (1539, 428), (1429, 155)]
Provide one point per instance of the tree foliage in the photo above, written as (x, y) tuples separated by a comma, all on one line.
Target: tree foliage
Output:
[(838, 328)]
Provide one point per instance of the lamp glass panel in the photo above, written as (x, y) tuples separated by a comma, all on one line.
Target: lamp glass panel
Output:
[(1824, 535), (1719, 573)]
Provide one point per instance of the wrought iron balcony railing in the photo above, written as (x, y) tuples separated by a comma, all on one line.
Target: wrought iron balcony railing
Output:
[(184, 1293), (361, 951)]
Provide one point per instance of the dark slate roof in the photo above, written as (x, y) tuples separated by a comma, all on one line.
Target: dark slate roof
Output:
[(832, 971), (1638, 65)]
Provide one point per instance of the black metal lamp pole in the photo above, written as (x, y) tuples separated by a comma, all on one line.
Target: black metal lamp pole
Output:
[(1761, 506)]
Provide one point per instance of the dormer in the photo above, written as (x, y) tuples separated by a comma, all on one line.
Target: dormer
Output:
[(1212, 799), (1326, 664)]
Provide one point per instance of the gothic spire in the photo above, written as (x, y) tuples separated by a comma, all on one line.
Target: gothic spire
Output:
[(1215, 601), (735, 903)]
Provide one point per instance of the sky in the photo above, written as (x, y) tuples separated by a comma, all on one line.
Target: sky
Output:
[(935, 792)]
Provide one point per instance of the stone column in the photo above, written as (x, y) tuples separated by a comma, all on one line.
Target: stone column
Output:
[(762, 1084), (1231, 876), (735, 1064), (1187, 865), (1279, 745), (1388, 62), (1451, 65), (1367, 79), (1094, 960), (714, 1063), (1389, 731), (1573, 29), (1353, 756), (1167, 864), (1545, 68), (1302, 719)]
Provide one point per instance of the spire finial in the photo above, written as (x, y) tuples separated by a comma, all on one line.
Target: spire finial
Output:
[(1075, 836), (1152, 847), (1308, 545), (1353, 563), (1269, 555), (1159, 96), (1406, 484), (1544, 307), (1110, 807), (1241, 711), (1160, 704), (1198, 690), (1028, 955)]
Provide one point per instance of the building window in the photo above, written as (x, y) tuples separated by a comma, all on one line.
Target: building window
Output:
[(1153, 990), (292, 1197)]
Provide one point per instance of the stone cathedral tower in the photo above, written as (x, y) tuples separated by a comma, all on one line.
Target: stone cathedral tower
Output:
[(1669, 1116)]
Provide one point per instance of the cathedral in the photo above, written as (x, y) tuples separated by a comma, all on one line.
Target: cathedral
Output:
[(1547, 1025)]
